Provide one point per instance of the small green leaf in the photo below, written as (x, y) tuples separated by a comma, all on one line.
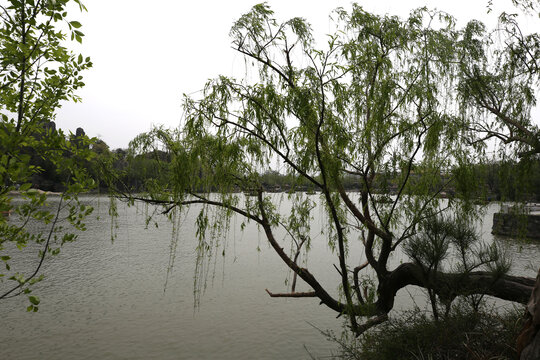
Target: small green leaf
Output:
[(25, 187), (34, 300)]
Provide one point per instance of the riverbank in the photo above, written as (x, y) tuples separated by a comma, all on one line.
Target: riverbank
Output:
[(39, 191), (518, 222)]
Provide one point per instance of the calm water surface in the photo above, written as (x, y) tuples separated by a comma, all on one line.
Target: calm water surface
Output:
[(108, 300)]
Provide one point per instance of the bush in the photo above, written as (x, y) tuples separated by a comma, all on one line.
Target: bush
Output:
[(463, 334)]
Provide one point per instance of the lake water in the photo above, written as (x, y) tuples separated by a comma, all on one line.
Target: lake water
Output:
[(108, 300)]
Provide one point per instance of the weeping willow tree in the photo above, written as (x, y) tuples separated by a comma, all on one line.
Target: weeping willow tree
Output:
[(500, 83), (500, 86), (379, 103)]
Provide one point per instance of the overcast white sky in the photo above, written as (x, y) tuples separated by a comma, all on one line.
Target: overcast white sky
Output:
[(146, 54)]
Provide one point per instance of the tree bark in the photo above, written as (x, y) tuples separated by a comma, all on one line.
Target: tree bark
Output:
[(528, 342), (450, 285), (532, 351)]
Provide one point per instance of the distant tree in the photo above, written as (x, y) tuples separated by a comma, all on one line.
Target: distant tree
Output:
[(37, 73), (380, 98), (100, 147)]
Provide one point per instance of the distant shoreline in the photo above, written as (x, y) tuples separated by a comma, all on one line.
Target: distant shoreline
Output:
[(39, 191)]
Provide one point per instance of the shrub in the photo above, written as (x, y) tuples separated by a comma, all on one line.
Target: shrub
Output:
[(463, 334)]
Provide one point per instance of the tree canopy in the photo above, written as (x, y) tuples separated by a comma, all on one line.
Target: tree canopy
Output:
[(392, 101), (37, 73)]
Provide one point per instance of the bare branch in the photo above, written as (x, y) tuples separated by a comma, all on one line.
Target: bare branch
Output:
[(293, 294)]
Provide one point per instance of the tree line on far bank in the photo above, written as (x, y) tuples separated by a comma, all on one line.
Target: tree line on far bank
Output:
[(509, 180)]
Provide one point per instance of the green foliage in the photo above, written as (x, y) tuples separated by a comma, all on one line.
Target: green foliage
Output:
[(498, 83), (386, 105), (464, 334), (37, 73)]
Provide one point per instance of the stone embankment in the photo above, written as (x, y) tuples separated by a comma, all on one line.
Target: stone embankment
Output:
[(523, 222)]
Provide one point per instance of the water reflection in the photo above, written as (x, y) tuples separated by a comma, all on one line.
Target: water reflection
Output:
[(107, 300)]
